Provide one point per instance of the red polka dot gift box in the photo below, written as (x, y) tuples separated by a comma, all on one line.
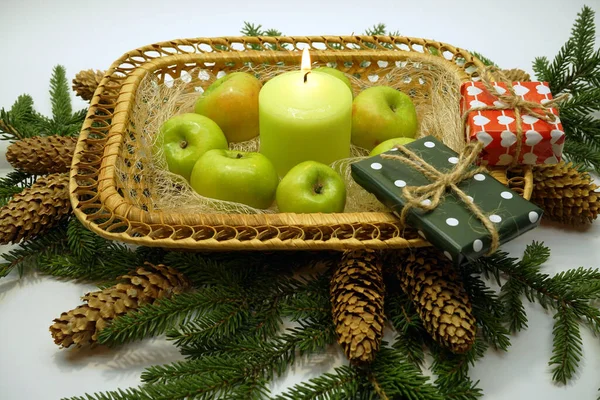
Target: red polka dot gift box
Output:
[(542, 139)]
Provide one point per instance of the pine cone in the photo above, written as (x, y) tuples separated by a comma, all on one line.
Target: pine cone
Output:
[(356, 294), (42, 154), (565, 194), (35, 209), (81, 325), (433, 285), (516, 75), (86, 82)]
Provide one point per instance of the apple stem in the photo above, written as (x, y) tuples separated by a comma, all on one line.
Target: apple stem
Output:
[(183, 144), (393, 108), (239, 155), (318, 188)]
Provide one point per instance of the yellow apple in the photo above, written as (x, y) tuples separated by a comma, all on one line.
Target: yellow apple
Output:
[(338, 74), (380, 113), (390, 144), (232, 102)]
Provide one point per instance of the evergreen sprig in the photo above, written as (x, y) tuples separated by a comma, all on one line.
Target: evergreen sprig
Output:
[(411, 335), (242, 372), (452, 371), (576, 70), (393, 377), (488, 309), (30, 254), (14, 182), (570, 294), (343, 383), (22, 121)]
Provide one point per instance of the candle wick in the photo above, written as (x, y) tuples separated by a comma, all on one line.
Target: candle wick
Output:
[(305, 76)]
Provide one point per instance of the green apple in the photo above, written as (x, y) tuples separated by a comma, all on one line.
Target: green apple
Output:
[(311, 187), (337, 73), (185, 137), (380, 113), (243, 177), (390, 144), (232, 102)]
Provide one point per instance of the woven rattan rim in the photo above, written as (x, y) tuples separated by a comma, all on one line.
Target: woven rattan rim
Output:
[(98, 204)]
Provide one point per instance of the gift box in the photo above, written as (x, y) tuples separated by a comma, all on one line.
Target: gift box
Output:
[(452, 225), (542, 141)]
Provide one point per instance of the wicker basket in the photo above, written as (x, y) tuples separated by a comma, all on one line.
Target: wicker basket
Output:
[(103, 202)]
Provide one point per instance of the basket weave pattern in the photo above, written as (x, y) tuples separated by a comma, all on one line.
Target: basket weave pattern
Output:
[(105, 180)]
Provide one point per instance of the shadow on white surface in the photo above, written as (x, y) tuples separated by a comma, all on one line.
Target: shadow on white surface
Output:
[(14, 282), (124, 360)]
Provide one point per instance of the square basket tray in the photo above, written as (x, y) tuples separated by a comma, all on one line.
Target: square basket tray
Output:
[(103, 201)]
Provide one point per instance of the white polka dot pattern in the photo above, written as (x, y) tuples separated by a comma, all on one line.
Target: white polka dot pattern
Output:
[(495, 218), (429, 145), (506, 195), (399, 183), (533, 217), (376, 166), (479, 177), (477, 245), (448, 255), (452, 222)]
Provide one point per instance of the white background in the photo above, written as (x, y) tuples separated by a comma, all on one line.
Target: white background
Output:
[(36, 35)]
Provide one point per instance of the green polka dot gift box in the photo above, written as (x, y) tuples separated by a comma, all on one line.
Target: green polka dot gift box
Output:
[(462, 224)]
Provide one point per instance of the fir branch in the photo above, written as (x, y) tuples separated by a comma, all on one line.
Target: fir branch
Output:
[(19, 179), (567, 345), (229, 363), (569, 293), (377, 29), (343, 383), (14, 182), (223, 320), (81, 240), (392, 377), (516, 316), (201, 387), (309, 300), (483, 59), (31, 253), (582, 153), (113, 260), (250, 29), (6, 193), (403, 316), (249, 361), (576, 70), (21, 121), (452, 371), (488, 310), (60, 96), (155, 319)]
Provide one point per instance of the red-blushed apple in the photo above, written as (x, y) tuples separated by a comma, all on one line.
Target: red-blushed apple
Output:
[(390, 144), (243, 177), (311, 187), (232, 102), (337, 73), (185, 137), (380, 113)]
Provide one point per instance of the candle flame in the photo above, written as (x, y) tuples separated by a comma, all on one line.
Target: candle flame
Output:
[(305, 65)]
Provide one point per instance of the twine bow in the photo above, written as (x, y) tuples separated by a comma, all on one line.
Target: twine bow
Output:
[(428, 197), (512, 101)]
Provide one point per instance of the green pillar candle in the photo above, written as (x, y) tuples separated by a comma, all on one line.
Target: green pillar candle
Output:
[(303, 116)]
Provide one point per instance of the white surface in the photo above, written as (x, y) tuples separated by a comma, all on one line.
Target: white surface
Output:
[(37, 35)]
